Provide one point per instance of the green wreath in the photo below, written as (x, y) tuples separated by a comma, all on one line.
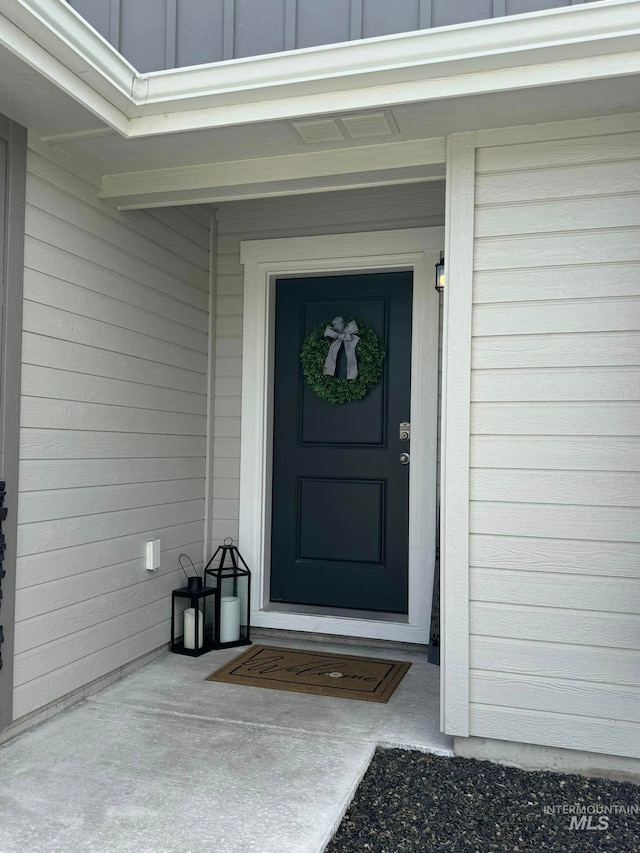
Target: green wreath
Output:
[(369, 353)]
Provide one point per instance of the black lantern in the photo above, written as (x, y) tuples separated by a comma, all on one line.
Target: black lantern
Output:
[(197, 632), (197, 616), (229, 576), (440, 275)]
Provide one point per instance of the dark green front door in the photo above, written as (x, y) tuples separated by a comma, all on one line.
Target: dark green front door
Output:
[(340, 518)]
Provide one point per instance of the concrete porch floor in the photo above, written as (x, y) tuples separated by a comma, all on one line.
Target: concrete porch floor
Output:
[(165, 762)]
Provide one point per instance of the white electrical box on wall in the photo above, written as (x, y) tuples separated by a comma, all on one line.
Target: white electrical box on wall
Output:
[(152, 556)]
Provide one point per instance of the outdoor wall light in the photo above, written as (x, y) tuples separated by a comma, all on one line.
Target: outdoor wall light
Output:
[(440, 275)]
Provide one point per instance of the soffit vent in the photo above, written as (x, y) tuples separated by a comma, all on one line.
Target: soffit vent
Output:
[(373, 124), (323, 130), (344, 128)]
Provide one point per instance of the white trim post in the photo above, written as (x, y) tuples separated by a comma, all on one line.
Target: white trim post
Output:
[(211, 391), (456, 404), (12, 259)]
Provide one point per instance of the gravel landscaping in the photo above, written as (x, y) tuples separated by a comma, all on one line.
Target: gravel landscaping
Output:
[(411, 802)]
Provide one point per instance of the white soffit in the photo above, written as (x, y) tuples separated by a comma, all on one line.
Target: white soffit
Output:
[(39, 104), (112, 154), (586, 42)]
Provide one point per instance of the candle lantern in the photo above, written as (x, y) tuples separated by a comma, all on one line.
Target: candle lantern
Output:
[(197, 616), (197, 632), (229, 576)]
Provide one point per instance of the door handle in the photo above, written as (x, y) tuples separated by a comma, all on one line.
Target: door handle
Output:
[(404, 458)]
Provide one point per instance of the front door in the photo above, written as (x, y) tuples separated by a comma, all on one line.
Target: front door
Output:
[(340, 516)]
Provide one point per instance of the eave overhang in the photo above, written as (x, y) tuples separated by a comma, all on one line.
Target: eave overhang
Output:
[(588, 42)]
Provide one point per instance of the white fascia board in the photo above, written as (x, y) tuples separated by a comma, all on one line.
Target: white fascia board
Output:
[(392, 94), (594, 41), (62, 32), (73, 83), (561, 45), (538, 37)]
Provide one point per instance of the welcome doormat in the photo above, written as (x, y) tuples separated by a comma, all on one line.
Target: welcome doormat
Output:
[(321, 673)]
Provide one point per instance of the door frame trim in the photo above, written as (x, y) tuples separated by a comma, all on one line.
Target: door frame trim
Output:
[(414, 249)]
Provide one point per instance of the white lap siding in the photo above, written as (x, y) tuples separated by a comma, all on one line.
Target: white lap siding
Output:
[(376, 209), (113, 428), (555, 444)]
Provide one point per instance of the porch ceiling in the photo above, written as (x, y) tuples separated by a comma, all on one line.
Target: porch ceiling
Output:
[(223, 132)]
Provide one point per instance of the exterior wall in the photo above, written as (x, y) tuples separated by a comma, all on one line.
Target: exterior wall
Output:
[(6, 686), (4, 215), (13, 153), (378, 209), (158, 34), (533, 757), (555, 439), (113, 434)]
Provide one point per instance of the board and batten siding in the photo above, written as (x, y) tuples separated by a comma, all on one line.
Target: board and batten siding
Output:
[(113, 428), (555, 442), (375, 209), (159, 34)]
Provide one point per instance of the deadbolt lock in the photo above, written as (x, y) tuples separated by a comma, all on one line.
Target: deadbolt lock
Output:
[(405, 431)]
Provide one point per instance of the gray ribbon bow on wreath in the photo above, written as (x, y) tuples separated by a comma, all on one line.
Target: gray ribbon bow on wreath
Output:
[(341, 335)]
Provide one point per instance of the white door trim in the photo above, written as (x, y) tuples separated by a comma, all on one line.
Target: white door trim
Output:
[(414, 249)]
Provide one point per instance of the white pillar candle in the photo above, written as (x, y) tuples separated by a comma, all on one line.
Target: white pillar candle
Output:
[(229, 619), (190, 629)]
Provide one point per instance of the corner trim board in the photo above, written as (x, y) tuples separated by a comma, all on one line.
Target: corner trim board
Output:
[(456, 405), (11, 342), (211, 390)]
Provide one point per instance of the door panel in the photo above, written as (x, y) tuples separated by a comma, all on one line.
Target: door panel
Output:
[(326, 424), (352, 511), (340, 495)]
